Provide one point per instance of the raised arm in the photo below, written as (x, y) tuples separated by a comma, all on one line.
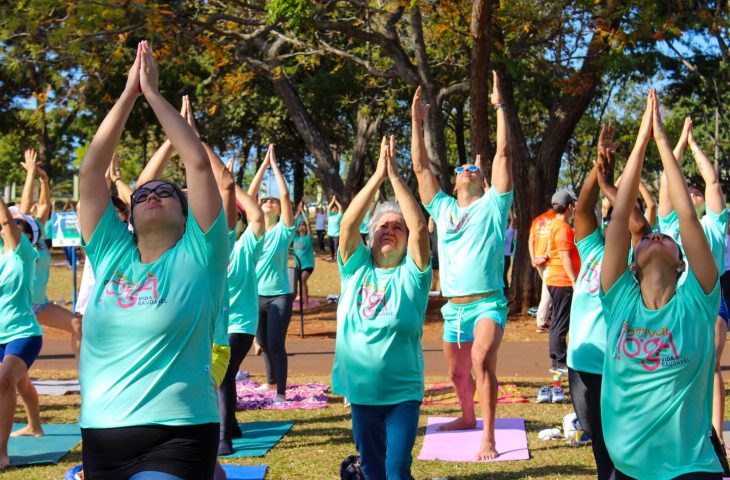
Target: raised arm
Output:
[(44, 198), (226, 186), (585, 216), (339, 205), (255, 186), (714, 198), (350, 238), (665, 203), (428, 186), (287, 213), (156, 165), (699, 255), (30, 165), (203, 198), (650, 211), (7, 223), (114, 173), (254, 214), (618, 239), (418, 240), (94, 193), (502, 164)]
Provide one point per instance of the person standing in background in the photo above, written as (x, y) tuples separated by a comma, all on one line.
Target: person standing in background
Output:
[(537, 244)]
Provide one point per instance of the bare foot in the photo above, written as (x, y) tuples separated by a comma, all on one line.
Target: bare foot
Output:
[(458, 424), (27, 432), (487, 451), (4, 461)]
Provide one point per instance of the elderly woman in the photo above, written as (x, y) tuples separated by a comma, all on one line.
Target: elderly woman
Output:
[(378, 359), (656, 396), (149, 404)]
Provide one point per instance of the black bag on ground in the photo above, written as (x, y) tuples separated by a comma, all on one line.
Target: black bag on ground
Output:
[(350, 468)]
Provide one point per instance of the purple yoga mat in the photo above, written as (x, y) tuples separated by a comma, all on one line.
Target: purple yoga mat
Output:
[(463, 445)]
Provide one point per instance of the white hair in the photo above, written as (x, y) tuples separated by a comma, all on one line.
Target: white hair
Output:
[(380, 210)]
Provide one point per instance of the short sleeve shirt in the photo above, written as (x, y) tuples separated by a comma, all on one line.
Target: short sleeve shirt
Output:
[(272, 265), (562, 239), (587, 338), (243, 290), (333, 224), (304, 250), (380, 314), (656, 397), (540, 232), (471, 242), (148, 328), (17, 268)]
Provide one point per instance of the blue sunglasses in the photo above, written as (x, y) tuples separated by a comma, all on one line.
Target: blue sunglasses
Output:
[(470, 169)]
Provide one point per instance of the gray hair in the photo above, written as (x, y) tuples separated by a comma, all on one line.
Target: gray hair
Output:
[(380, 210)]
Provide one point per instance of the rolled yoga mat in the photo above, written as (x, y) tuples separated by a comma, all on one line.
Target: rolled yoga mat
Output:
[(463, 445)]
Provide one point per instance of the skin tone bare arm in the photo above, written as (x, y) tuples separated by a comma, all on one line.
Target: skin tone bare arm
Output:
[(428, 186), (502, 164), (714, 198), (30, 165)]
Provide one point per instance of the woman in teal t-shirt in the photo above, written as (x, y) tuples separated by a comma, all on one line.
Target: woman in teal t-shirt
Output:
[(378, 360), (304, 250), (148, 396), (656, 396), (20, 335), (334, 217), (275, 293)]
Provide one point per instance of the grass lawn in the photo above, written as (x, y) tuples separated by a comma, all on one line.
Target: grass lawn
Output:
[(321, 439)]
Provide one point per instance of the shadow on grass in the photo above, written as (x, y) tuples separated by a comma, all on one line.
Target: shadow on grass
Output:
[(533, 472)]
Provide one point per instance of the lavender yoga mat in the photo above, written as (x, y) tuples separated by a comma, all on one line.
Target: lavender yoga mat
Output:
[(463, 445)]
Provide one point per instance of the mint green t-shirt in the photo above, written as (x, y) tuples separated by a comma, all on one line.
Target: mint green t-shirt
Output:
[(304, 250), (48, 230), (471, 242), (272, 265), (380, 314), (242, 284), (333, 224), (148, 328), (364, 230), (42, 273), (714, 226), (220, 333), (587, 338), (17, 268), (656, 396)]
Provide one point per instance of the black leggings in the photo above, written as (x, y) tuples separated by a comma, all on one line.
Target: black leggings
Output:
[(274, 317), (725, 287), (585, 393), (334, 245), (188, 452), (320, 240), (240, 345)]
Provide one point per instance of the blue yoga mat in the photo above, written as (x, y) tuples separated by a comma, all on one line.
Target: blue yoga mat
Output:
[(239, 472), (50, 448), (258, 438)]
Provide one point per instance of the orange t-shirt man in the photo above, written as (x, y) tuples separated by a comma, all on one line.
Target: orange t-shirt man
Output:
[(539, 235), (562, 238)]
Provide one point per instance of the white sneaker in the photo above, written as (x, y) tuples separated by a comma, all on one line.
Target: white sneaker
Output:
[(558, 395), (279, 400), (544, 395)]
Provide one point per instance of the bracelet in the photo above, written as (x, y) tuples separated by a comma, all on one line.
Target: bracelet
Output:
[(500, 106), (694, 149), (203, 139)]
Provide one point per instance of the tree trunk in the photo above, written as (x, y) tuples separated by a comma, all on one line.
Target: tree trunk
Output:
[(365, 130), (459, 127), (481, 26), (298, 170)]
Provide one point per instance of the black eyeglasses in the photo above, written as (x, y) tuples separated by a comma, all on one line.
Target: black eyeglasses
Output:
[(270, 199), (162, 190)]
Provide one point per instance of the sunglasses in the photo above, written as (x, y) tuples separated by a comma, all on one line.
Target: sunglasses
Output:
[(162, 190), (470, 169), (269, 199)]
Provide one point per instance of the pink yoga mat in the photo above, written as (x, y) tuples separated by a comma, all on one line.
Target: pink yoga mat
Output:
[(463, 445)]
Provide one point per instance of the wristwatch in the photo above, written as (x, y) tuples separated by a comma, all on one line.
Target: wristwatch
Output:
[(203, 139), (500, 106)]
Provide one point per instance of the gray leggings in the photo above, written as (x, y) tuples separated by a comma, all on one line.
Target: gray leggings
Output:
[(274, 317)]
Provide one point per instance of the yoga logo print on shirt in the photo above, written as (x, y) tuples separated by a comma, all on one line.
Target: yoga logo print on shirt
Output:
[(647, 345), (459, 225), (129, 293), (371, 300), (591, 276)]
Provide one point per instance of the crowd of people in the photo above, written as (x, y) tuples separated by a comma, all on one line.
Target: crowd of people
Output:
[(180, 281)]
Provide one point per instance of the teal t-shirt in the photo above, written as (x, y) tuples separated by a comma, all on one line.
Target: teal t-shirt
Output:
[(48, 230), (17, 269), (364, 224), (714, 226), (333, 224), (300, 219), (220, 333), (304, 250), (242, 284), (272, 265), (587, 339), (148, 328), (656, 396), (471, 242), (42, 273), (380, 314)]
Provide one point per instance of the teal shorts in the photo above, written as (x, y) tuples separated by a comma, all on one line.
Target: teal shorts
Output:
[(460, 321)]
